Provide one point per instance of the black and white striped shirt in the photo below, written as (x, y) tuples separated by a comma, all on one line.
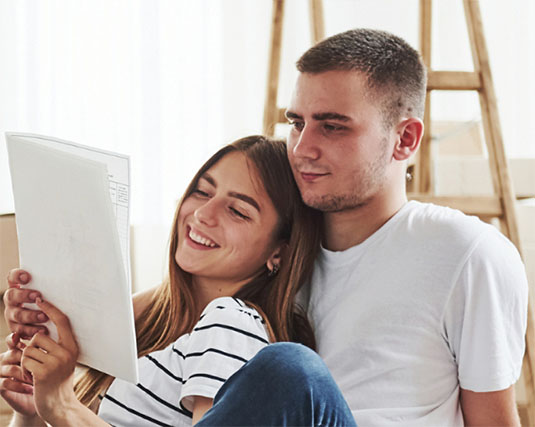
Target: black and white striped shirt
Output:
[(227, 335)]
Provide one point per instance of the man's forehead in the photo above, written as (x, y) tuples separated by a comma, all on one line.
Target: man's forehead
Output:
[(311, 94), (333, 77), (330, 95)]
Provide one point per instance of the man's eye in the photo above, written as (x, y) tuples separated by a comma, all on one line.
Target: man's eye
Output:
[(237, 213), (332, 128), (297, 125)]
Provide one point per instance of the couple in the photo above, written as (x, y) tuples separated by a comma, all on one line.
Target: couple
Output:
[(418, 312)]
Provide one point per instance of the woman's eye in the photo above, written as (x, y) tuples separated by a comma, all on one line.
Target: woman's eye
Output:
[(200, 193), (238, 213)]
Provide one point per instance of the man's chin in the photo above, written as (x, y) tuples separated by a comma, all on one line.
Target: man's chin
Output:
[(325, 204), (332, 203)]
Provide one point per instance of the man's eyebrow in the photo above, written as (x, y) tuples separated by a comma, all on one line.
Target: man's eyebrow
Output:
[(246, 199), (320, 116), (291, 115), (331, 116)]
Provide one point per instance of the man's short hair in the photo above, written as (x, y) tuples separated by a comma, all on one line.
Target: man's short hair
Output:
[(395, 71)]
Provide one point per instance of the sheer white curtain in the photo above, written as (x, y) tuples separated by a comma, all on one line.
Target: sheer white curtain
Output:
[(169, 81), (146, 78)]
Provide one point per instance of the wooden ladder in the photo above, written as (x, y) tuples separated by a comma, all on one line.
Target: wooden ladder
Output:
[(272, 113), (502, 204)]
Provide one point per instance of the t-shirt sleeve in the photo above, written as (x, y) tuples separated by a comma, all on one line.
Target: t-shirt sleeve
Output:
[(227, 335), (486, 315)]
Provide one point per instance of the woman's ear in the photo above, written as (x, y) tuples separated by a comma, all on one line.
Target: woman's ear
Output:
[(409, 133), (274, 261)]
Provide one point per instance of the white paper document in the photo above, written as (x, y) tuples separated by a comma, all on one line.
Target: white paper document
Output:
[(72, 210)]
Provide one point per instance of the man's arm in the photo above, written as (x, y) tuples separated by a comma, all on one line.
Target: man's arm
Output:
[(485, 324), (495, 408)]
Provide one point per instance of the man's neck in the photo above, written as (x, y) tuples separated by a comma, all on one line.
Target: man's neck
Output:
[(348, 228)]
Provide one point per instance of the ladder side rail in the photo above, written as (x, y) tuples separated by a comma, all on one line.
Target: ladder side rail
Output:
[(489, 111), (500, 174), (423, 170), (272, 85), (317, 23)]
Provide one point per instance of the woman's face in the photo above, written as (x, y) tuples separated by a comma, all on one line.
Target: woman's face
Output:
[(226, 226)]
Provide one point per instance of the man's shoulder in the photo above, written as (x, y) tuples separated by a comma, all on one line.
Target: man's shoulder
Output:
[(432, 230), (438, 213), (429, 220), (447, 237)]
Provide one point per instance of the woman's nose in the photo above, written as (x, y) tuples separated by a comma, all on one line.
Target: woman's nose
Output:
[(207, 213)]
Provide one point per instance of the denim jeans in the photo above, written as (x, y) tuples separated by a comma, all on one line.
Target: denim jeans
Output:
[(285, 384)]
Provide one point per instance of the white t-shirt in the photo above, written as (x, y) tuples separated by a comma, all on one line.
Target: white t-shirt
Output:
[(432, 301), (227, 335)]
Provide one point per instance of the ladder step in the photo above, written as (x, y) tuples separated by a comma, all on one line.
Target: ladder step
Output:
[(484, 206), (453, 80)]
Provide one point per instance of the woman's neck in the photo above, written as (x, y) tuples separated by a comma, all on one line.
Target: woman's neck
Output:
[(208, 289)]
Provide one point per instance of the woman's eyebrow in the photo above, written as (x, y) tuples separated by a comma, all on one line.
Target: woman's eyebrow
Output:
[(210, 180), (245, 198)]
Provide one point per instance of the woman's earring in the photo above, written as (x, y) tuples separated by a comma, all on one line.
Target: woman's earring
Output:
[(274, 271)]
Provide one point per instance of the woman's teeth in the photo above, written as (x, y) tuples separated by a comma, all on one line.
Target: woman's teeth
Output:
[(203, 241)]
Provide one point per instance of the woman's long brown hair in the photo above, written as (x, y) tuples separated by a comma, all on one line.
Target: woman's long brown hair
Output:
[(173, 310)]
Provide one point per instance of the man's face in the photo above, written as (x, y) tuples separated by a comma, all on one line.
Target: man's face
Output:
[(338, 147)]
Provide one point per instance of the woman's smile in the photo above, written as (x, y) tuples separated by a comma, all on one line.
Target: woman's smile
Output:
[(198, 241)]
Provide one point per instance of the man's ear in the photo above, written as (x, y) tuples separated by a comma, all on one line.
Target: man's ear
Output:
[(409, 134)]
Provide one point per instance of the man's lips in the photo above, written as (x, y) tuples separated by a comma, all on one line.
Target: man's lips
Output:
[(311, 176)]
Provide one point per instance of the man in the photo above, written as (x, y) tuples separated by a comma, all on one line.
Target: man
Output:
[(419, 311)]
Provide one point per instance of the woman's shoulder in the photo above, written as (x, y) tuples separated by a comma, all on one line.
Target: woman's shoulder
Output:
[(230, 307), (231, 314)]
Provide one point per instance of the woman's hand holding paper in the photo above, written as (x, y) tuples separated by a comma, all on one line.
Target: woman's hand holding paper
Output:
[(16, 390), (20, 319), (51, 365)]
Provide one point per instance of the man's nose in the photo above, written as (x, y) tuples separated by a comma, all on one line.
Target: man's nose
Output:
[(207, 213), (305, 145)]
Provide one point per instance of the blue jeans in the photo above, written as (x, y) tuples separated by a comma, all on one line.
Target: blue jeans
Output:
[(285, 384)]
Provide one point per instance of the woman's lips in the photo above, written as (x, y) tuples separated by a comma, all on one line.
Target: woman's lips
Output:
[(201, 241)]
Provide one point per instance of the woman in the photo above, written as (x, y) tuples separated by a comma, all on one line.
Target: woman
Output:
[(241, 246)]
